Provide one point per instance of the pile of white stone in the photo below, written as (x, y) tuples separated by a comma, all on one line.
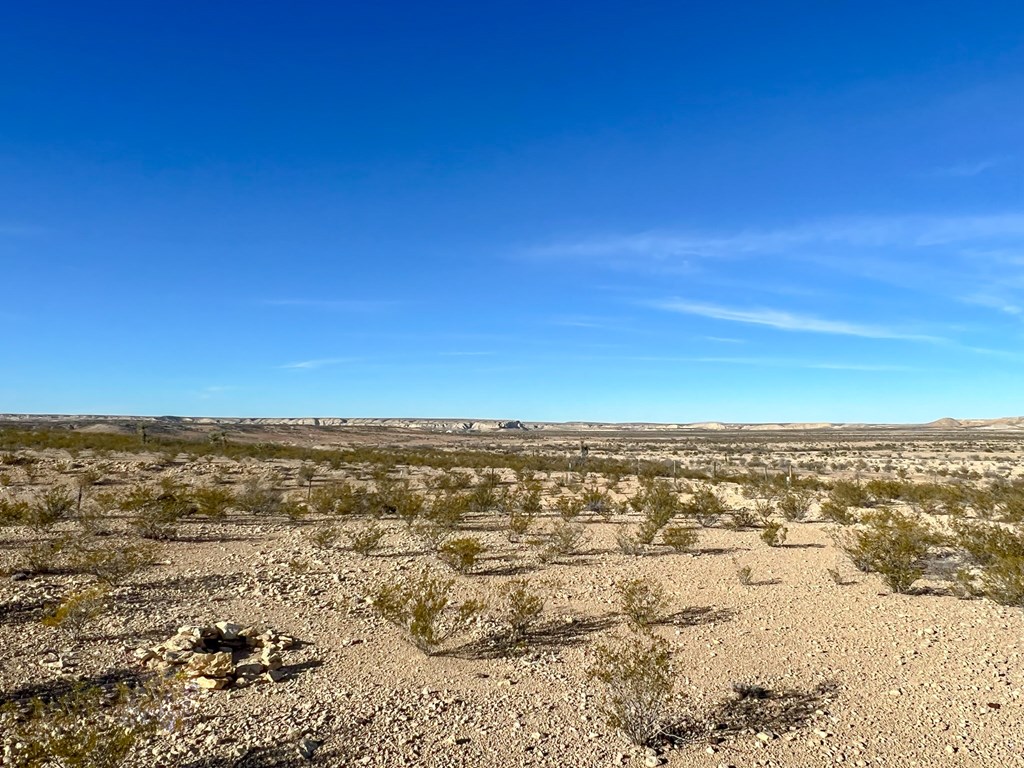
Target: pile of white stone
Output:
[(222, 655)]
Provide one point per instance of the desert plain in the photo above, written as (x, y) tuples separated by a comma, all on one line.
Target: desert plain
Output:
[(791, 630)]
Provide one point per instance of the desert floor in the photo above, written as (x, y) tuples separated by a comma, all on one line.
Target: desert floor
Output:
[(853, 674)]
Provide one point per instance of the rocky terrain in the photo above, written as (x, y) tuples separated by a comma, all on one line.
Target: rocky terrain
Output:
[(274, 630)]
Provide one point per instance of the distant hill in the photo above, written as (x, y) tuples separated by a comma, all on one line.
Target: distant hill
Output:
[(100, 422)]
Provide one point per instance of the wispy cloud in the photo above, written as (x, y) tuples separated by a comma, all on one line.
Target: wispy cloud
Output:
[(964, 170), (776, 362), (466, 354), (788, 321), (862, 232), (993, 302), (318, 363)]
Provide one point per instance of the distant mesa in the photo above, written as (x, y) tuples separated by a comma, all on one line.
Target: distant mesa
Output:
[(125, 424)]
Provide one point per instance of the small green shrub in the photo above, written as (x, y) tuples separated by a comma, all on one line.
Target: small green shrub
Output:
[(794, 505), (837, 512), (706, 507), (324, 537), (629, 543), (643, 603), (423, 608), (774, 533), (520, 508), (987, 543), (680, 538), (404, 502), (637, 686), (89, 727), (564, 540), (848, 493), (77, 610), (259, 498), (293, 509), (433, 534), (460, 554), (13, 511), (598, 502), (113, 565), (448, 510), (744, 573), (365, 538), (213, 502), (892, 544), (1003, 581), (569, 507), (56, 503), (658, 503), (742, 518), (48, 555), (520, 610)]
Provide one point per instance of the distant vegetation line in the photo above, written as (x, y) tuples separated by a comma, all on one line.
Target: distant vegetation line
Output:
[(75, 441)]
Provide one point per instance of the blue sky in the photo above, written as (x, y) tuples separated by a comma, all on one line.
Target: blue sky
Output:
[(617, 211)]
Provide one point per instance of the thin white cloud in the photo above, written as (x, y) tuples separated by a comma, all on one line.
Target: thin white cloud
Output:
[(966, 170), (862, 232), (318, 363), (778, 362), (993, 302), (788, 321)]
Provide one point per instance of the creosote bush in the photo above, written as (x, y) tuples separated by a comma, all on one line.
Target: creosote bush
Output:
[(705, 506), (657, 502), (520, 609), (569, 507), (637, 686), (13, 511), (88, 727), (460, 554), (112, 564), (837, 512), (891, 544), (423, 608), (365, 538), (774, 533), (213, 502), (629, 543), (643, 603), (48, 555), (56, 503), (794, 505), (744, 573), (324, 537), (520, 508), (564, 540), (77, 610), (680, 538), (1003, 581), (259, 498), (987, 543)]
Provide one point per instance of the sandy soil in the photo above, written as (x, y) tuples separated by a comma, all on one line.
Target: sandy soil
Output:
[(857, 676)]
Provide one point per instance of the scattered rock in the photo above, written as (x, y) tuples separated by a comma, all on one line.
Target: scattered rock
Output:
[(219, 656)]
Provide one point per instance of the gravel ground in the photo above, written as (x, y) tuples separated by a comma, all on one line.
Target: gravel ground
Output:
[(857, 676)]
